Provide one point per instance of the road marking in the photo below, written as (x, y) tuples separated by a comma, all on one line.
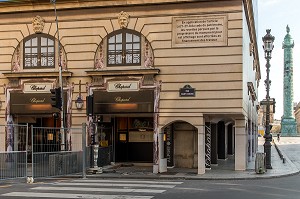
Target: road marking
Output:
[(102, 184), (63, 195), (5, 186), (129, 181), (99, 189), (193, 189), (226, 184)]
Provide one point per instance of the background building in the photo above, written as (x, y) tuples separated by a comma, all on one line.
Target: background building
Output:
[(168, 83), (261, 122)]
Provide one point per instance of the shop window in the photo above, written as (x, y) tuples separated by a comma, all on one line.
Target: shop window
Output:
[(124, 48), (39, 51)]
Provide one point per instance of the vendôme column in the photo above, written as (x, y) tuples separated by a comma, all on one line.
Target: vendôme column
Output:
[(288, 122)]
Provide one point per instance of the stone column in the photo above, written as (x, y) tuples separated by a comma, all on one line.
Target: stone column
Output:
[(162, 161), (222, 139), (214, 143), (240, 145), (230, 139), (201, 149)]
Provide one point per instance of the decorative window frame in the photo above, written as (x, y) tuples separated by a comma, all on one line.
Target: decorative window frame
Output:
[(146, 59), (17, 63)]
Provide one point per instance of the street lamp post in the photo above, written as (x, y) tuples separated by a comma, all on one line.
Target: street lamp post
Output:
[(268, 46), (63, 136)]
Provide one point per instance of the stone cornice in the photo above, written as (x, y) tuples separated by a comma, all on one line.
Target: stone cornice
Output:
[(42, 5), (122, 72), (35, 74), (249, 12)]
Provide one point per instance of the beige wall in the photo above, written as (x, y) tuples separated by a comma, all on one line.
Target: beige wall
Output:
[(215, 72), (219, 73)]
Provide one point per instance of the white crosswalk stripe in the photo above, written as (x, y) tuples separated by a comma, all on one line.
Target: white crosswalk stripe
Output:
[(96, 188)]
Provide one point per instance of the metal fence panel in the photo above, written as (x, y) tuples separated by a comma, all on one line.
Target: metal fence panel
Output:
[(53, 155), (41, 151), (57, 163), (13, 151), (13, 164)]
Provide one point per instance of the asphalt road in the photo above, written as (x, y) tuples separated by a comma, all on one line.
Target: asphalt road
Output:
[(276, 188)]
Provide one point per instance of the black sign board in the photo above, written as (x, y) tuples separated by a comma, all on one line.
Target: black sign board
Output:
[(271, 103), (33, 103), (187, 91), (123, 102)]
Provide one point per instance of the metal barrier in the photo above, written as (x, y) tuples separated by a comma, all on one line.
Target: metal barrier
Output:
[(42, 151), (47, 164), (54, 156), (13, 164), (13, 151)]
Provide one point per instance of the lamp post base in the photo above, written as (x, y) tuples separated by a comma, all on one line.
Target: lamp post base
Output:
[(269, 167), (267, 150)]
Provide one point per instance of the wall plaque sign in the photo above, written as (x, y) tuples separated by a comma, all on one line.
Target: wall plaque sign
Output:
[(123, 86), (138, 136), (37, 87), (208, 30), (187, 91)]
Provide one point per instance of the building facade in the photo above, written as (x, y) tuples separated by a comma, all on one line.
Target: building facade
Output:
[(170, 84), (261, 122)]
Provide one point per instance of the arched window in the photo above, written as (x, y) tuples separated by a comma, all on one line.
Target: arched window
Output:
[(39, 51), (124, 48)]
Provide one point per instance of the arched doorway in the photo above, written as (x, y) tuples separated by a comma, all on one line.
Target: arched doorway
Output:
[(181, 145)]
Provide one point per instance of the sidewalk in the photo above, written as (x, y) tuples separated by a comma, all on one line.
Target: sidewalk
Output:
[(223, 171)]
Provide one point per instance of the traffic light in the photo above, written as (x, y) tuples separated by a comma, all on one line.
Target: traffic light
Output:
[(56, 98), (93, 138), (89, 105)]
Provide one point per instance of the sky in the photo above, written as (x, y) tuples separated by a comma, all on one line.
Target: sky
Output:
[(276, 15)]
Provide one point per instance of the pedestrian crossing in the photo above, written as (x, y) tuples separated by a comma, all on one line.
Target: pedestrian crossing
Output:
[(97, 188)]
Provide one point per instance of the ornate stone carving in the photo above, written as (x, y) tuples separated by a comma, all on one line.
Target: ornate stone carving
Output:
[(16, 60), (148, 80), (98, 80), (123, 19), (148, 55), (14, 83), (99, 58), (38, 24)]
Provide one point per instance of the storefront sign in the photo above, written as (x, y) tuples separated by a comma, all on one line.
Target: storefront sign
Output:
[(123, 102), (122, 86), (35, 100), (29, 103), (187, 91), (208, 30), (32, 103), (37, 87)]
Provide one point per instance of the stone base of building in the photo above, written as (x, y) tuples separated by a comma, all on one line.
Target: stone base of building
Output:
[(288, 127)]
